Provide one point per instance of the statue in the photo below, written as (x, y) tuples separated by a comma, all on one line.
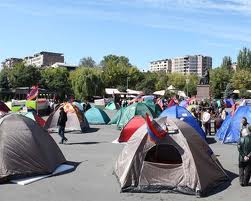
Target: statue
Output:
[(205, 78)]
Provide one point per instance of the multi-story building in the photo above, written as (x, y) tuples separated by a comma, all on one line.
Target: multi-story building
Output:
[(10, 62), (43, 59), (190, 64), (164, 65), (234, 66)]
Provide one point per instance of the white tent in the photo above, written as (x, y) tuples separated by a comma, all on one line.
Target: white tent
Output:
[(159, 93), (111, 91), (171, 88), (130, 91)]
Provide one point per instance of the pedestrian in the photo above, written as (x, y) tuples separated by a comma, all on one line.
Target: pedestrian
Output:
[(61, 125), (244, 125), (206, 120), (244, 148)]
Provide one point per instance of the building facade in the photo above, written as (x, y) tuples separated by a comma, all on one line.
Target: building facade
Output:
[(43, 59), (69, 67), (189, 64), (10, 62), (164, 65)]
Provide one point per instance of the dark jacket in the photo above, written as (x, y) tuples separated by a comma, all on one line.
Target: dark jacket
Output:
[(62, 118), (244, 148)]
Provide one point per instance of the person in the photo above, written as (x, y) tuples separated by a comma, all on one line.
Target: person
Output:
[(223, 113), (244, 148), (206, 120), (217, 123), (61, 125), (244, 125)]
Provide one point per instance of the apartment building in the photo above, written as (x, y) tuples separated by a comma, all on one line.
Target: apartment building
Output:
[(43, 59), (10, 62), (164, 65), (189, 64), (69, 67)]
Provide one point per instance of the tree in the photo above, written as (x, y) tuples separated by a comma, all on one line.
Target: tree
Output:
[(114, 60), (23, 76), (4, 82), (86, 82), (241, 79), (229, 91), (147, 85), (244, 59), (219, 78), (227, 63), (87, 62), (56, 80)]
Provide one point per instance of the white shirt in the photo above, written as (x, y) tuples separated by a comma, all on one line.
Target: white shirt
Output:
[(206, 117)]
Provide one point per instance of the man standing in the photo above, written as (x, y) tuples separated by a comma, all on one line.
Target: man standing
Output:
[(206, 120), (244, 125), (244, 148), (61, 123)]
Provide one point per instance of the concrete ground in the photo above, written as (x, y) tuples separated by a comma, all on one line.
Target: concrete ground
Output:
[(93, 179)]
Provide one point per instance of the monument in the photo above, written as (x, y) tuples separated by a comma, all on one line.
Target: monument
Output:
[(203, 88)]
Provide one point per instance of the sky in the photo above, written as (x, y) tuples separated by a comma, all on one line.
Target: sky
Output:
[(142, 30)]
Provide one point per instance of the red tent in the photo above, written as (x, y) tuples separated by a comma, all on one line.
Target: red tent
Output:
[(130, 128)]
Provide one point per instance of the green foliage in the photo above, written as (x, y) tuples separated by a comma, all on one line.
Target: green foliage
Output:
[(226, 63), (219, 78), (86, 82), (23, 76), (87, 62), (147, 85), (4, 82), (228, 91), (241, 79), (57, 80), (244, 93), (244, 59)]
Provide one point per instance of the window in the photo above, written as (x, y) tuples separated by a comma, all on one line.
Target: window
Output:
[(163, 153)]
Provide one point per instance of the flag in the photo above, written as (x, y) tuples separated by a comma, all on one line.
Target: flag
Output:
[(160, 102), (33, 93), (154, 130), (172, 102)]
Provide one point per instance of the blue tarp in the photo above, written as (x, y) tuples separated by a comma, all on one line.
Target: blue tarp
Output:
[(183, 114), (229, 132), (229, 102)]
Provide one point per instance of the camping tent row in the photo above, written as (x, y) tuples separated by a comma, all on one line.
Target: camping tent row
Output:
[(177, 112), (182, 162)]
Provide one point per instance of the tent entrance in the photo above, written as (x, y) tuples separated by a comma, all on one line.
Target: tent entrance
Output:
[(163, 154)]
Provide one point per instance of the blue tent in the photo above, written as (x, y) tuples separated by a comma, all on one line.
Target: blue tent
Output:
[(221, 132), (229, 102), (183, 114), (230, 133), (96, 116)]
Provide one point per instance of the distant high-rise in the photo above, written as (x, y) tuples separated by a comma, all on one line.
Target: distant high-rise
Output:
[(189, 64), (10, 62)]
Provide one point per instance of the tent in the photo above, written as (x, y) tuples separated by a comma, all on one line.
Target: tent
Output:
[(96, 116), (133, 110), (111, 106), (26, 149), (4, 108), (180, 162), (221, 132), (117, 116), (34, 117), (229, 132), (155, 107), (76, 120), (129, 129), (183, 114), (79, 105)]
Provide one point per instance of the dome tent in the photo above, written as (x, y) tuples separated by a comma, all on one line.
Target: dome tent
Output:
[(229, 132), (130, 128), (34, 117), (117, 116), (155, 107), (76, 120), (133, 110), (96, 116), (180, 162), (183, 114), (111, 106), (26, 149)]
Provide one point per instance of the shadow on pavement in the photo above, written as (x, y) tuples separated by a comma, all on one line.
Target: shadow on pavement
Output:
[(224, 185), (91, 130), (210, 140), (83, 143)]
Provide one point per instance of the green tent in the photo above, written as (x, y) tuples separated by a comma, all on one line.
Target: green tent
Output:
[(155, 107), (133, 110), (111, 106), (96, 116), (117, 116)]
